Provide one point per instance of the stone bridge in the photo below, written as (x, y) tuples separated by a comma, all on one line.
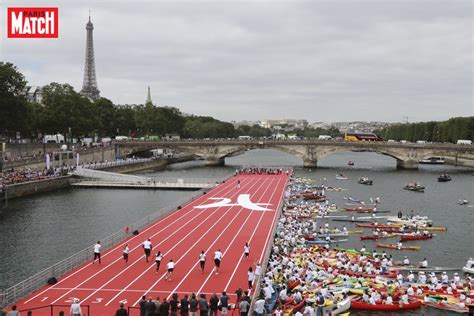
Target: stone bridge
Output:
[(310, 151)]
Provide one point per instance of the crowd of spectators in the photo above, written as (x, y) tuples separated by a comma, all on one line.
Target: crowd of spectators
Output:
[(13, 176)]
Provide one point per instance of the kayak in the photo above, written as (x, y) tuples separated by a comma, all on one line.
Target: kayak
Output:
[(415, 237), (356, 209), (371, 225), (449, 307), (385, 307), (323, 242), (396, 247), (429, 269), (338, 308), (378, 237)]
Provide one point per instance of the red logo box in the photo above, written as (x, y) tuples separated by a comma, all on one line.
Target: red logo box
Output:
[(32, 22)]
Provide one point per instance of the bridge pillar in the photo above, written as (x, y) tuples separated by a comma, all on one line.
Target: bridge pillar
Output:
[(310, 163), (407, 164), (215, 161)]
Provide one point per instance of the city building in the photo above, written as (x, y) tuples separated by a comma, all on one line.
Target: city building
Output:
[(33, 94)]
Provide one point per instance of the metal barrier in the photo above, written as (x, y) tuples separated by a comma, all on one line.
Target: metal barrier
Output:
[(40, 279), (64, 310), (258, 281)]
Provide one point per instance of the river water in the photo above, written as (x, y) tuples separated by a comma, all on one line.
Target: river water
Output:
[(37, 231)]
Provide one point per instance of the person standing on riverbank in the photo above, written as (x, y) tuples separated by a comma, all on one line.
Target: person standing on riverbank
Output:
[(97, 247), (147, 247)]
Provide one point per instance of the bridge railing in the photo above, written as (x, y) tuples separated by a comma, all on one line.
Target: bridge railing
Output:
[(40, 279)]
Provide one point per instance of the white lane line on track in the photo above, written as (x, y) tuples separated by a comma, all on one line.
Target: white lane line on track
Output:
[(138, 246), (268, 236), (230, 222), (230, 244), (235, 236)]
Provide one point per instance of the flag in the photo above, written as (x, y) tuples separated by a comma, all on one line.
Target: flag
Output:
[(48, 162), (77, 159)]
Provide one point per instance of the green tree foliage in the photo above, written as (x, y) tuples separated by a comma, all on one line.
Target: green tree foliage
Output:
[(206, 127), (64, 108), (445, 131), (14, 109), (310, 132)]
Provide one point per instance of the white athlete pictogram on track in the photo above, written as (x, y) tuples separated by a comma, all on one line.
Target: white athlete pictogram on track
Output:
[(243, 200)]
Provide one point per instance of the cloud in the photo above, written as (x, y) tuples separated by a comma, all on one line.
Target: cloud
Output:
[(319, 60)]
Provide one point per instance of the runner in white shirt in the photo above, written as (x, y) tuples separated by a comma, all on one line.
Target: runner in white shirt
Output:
[(97, 247), (202, 260), (125, 253), (75, 308), (170, 266), (246, 250), (147, 247), (158, 259), (217, 260)]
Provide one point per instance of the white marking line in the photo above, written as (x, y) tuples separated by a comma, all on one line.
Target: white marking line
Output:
[(265, 246), (138, 246), (202, 236), (230, 244), (235, 236), (173, 248)]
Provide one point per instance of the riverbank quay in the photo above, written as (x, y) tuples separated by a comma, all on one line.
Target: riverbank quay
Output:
[(308, 268), (54, 183), (241, 210)]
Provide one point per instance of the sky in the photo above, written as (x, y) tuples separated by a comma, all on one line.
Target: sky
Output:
[(331, 60)]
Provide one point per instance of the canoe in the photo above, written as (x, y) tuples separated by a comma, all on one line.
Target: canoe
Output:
[(357, 209), (449, 307), (385, 307), (338, 308), (429, 269), (396, 247), (415, 237), (377, 226), (323, 242), (378, 237)]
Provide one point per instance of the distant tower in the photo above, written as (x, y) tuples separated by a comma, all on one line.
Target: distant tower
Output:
[(89, 86), (148, 98)]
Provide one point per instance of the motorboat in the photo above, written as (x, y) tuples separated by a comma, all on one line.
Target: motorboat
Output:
[(444, 178), (433, 161), (340, 176), (414, 187), (365, 180), (411, 221)]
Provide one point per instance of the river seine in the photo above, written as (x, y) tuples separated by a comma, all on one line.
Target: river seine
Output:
[(37, 231)]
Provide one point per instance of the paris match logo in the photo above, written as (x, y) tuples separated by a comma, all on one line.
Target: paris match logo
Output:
[(32, 22)]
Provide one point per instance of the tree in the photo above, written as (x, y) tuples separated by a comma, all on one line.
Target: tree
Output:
[(13, 106)]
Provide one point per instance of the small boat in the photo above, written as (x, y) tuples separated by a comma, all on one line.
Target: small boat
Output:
[(433, 161), (350, 163), (324, 242), (365, 181), (429, 269), (415, 237), (359, 209), (449, 307), (338, 308), (463, 202), (385, 307), (416, 187), (391, 246), (468, 270), (375, 237), (444, 178)]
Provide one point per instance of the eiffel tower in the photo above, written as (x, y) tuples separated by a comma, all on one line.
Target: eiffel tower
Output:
[(89, 85)]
